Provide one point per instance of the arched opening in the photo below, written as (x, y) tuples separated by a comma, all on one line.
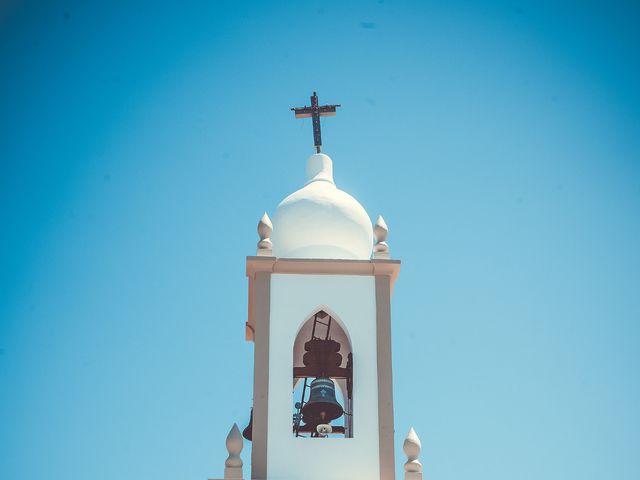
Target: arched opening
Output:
[(322, 379)]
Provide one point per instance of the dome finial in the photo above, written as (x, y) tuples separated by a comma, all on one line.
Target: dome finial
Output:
[(380, 231), (265, 228), (319, 167)]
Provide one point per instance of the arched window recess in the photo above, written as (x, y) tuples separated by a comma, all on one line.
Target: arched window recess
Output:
[(322, 360)]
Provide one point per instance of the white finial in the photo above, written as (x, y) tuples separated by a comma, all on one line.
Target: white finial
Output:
[(233, 463), (265, 227), (380, 231), (319, 168), (412, 447)]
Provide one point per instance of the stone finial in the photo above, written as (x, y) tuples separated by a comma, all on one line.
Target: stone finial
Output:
[(411, 447), (380, 231), (233, 463), (265, 227)]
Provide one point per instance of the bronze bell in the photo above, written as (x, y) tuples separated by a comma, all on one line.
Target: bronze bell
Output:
[(322, 406), (248, 431)]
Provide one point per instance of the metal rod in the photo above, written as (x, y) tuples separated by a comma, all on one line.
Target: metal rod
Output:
[(313, 331), (299, 419)]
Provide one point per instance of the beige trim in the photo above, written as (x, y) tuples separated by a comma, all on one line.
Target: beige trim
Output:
[(249, 329), (320, 266), (314, 266), (261, 303), (385, 380)]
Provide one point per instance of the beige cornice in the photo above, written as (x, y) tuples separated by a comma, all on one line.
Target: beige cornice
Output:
[(321, 266), (314, 266)]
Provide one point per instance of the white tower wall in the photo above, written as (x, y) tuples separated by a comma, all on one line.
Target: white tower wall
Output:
[(352, 299)]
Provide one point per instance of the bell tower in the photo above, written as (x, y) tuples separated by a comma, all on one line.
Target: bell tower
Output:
[(320, 290)]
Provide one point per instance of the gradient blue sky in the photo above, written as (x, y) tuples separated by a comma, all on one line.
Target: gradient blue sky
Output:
[(142, 141)]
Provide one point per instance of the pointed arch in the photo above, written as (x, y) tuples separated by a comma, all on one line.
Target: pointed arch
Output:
[(324, 324)]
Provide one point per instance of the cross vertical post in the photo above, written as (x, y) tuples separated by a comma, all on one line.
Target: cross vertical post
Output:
[(316, 111), (317, 137)]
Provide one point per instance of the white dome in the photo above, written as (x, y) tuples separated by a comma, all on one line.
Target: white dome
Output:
[(320, 220)]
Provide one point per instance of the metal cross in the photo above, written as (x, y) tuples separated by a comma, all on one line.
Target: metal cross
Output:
[(315, 112)]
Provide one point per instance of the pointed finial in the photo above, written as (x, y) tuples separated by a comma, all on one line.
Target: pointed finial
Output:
[(412, 447), (319, 168), (233, 463), (380, 231), (265, 228)]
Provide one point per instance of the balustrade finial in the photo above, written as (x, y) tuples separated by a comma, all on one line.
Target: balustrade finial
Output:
[(380, 232), (233, 463), (412, 447)]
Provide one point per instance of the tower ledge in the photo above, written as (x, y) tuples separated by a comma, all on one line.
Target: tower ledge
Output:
[(315, 266)]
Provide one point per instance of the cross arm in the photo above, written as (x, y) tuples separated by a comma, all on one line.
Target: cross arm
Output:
[(303, 112), (328, 110)]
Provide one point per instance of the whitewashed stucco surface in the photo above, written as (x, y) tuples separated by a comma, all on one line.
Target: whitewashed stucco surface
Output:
[(351, 300), (320, 220)]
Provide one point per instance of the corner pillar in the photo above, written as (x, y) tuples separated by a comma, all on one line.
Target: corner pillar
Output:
[(261, 309), (385, 380)]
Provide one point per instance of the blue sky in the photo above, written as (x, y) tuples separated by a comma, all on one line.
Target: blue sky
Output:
[(142, 141)]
